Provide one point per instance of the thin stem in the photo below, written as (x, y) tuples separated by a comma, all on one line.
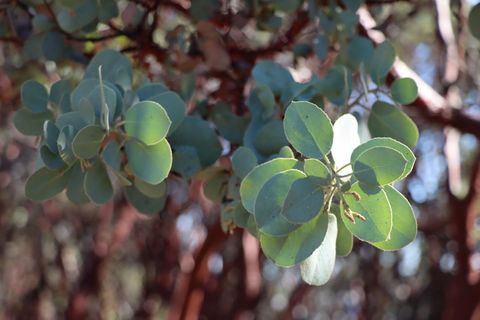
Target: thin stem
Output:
[(345, 175), (342, 167)]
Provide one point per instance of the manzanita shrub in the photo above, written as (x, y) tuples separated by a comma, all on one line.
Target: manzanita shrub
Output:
[(302, 180)]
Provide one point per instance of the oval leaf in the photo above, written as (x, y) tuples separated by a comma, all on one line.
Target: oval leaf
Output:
[(256, 178), (304, 200), (298, 245), (379, 166), (317, 269), (404, 91), (474, 21), (404, 228), (143, 203), (34, 96), (97, 184), (389, 143), (270, 201), (87, 141), (149, 163), (174, 106), (151, 190), (45, 184), (374, 206), (75, 187), (386, 120), (316, 168), (308, 129), (381, 61), (344, 243), (29, 123), (243, 161), (197, 133), (148, 122)]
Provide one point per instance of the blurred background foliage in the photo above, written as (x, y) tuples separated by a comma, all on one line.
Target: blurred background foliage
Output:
[(64, 261)]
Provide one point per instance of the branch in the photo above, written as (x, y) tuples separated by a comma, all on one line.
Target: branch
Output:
[(430, 104)]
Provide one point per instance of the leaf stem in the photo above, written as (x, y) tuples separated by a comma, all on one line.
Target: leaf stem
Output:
[(342, 167)]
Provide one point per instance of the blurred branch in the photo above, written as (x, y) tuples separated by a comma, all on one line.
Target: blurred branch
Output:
[(187, 301), (430, 104), (297, 296), (96, 261), (462, 295), (445, 29)]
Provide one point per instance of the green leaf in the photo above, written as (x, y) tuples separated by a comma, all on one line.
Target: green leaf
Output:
[(143, 203), (379, 166), (151, 190), (359, 50), (186, 161), (73, 119), (50, 134), (273, 75), (298, 245), (474, 21), (270, 201), (111, 155), (230, 126), (75, 189), (197, 133), (45, 184), (286, 152), (316, 168), (148, 122), (304, 200), (404, 90), (389, 143), (34, 96), (257, 177), (404, 228), (337, 85), (72, 20), (29, 123), (97, 184), (381, 61), (116, 68), (261, 102), (243, 161), (255, 125), (344, 243), (87, 141), (270, 138), (386, 120), (52, 160), (374, 206), (150, 90), (317, 269), (60, 95), (53, 45), (174, 106), (308, 129), (149, 163)]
